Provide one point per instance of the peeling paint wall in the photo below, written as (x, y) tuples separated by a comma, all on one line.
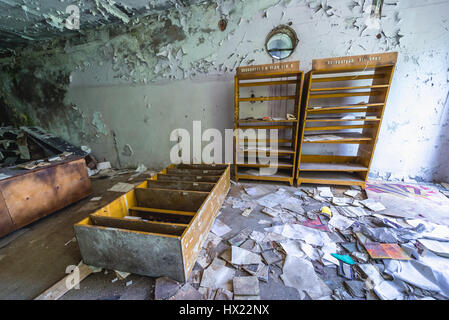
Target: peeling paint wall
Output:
[(122, 89)]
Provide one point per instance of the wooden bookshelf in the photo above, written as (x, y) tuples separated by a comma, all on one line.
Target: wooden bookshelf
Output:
[(344, 103), (265, 94)]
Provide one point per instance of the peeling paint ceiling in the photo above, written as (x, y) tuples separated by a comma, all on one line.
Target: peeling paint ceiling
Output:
[(25, 21)]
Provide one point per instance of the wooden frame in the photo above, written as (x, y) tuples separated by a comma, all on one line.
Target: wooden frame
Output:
[(325, 102), (280, 76), (158, 228)]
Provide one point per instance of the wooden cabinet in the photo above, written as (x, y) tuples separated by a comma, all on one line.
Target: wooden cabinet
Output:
[(344, 103)]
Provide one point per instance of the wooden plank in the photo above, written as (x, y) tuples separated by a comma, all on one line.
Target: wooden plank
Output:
[(194, 236), (169, 199), (154, 215), (146, 209), (177, 177), (267, 98), (268, 69), (66, 284), (348, 107), (180, 185), (338, 178), (316, 166), (353, 62), (265, 121), (175, 229), (344, 95), (266, 83), (341, 127), (379, 86), (348, 78), (340, 120), (265, 127)]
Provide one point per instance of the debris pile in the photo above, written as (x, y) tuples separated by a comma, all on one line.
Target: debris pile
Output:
[(327, 243)]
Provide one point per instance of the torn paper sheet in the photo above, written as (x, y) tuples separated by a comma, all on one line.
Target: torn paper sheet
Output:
[(352, 193), (340, 222), (243, 256), (273, 199), (439, 247), (292, 248), (219, 228), (299, 232), (293, 204), (373, 205), (121, 187), (325, 192), (272, 212), (306, 281), (217, 275), (257, 191)]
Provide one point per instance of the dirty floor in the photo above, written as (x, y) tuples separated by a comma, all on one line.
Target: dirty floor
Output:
[(36, 257)]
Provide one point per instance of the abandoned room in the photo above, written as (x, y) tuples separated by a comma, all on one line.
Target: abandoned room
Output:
[(224, 150)]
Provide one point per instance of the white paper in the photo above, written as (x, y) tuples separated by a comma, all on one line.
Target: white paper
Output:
[(217, 275), (121, 187), (439, 247), (340, 222), (300, 274), (219, 228), (243, 256), (325, 192)]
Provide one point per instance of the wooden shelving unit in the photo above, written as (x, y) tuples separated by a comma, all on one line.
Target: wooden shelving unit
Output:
[(344, 105), (264, 95)]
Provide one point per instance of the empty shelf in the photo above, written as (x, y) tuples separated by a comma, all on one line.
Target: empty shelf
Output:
[(318, 166), (326, 177)]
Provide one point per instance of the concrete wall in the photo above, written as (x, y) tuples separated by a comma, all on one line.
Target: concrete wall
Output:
[(141, 81)]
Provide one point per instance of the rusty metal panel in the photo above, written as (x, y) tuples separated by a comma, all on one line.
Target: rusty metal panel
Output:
[(34, 194), (131, 251)]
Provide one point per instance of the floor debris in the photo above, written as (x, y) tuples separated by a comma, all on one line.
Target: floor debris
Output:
[(246, 286)]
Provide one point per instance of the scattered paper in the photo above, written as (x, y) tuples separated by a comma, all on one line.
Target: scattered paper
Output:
[(306, 281), (220, 228), (217, 275), (121, 187), (243, 256)]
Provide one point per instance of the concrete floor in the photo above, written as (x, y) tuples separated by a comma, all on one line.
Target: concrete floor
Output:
[(37, 256)]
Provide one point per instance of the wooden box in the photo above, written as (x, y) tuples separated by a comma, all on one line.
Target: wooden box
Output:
[(29, 195), (158, 228)]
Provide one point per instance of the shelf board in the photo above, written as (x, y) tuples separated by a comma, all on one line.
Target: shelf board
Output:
[(278, 176), (267, 83), (344, 69), (325, 177), (319, 166), (349, 106), (271, 151), (265, 121), (344, 94), (341, 127), (267, 98), (339, 119), (267, 140), (347, 137), (379, 86), (266, 127), (280, 164), (349, 78)]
